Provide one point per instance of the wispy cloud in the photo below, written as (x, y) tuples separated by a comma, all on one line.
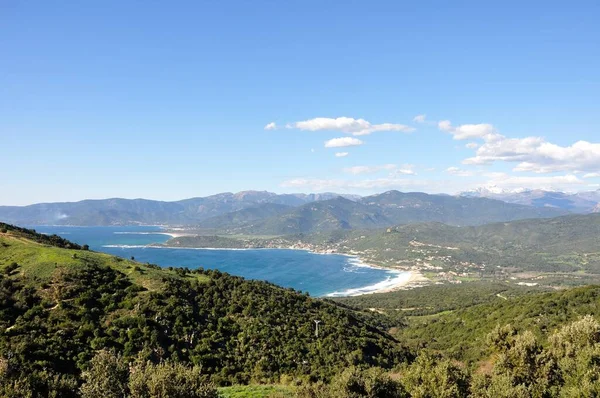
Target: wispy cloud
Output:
[(368, 169), (451, 186), (455, 171), (343, 142), (419, 118), (395, 170), (341, 154), (348, 125), (560, 182), (271, 126), (320, 185)]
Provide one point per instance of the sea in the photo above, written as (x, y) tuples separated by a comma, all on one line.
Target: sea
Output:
[(321, 275)]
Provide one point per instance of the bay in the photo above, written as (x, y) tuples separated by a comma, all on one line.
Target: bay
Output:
[(317, 274)]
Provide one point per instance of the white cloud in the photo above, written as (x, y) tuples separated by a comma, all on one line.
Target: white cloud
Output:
[(591, 175), (567, 182), (472, 145), (419, 119), (405, 169), (343, 142), (469, 131), (455, 171), (271, 126), (341, 154), (532, 154), (348, 125)]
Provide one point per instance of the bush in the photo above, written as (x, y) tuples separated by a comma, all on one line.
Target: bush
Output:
[(356, 383), (168, 380), (10, 268), (433, 376)]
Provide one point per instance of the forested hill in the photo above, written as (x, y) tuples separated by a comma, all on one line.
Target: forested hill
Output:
[(61, 306)]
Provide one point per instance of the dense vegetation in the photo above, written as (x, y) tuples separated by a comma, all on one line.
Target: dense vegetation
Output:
[(76, 323), (460, 334), (434, 299), (236, 331)]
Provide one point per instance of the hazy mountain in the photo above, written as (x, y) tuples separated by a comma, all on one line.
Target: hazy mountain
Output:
[(403, 208), (386, 209), (327, 215), (269, 213), (245, 216), (582, 202), (141, 211)]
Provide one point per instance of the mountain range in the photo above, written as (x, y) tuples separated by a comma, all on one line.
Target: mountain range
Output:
[(118, 211), (266, 213), (383, 210), (581, 202)]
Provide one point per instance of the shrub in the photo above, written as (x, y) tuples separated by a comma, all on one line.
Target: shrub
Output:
[(106, 377), (168, 380)]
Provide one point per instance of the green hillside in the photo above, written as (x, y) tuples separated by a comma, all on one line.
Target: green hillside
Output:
[(61, 306), (461, 334), (75, 323)]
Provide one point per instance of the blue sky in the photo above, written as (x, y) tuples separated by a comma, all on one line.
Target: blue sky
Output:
[(172, 100)]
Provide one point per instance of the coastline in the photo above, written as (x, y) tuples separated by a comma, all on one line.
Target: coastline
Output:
[(407, 279)]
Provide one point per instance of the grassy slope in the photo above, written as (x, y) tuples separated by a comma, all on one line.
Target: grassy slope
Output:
[(256, 391), (40, 261)]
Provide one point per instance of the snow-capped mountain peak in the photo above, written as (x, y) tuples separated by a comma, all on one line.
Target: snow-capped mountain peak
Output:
[(491, 190)]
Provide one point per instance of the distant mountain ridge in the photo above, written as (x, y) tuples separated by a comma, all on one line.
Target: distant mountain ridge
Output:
[(582, 202), (383, 210), (267, 213), (118, 211)]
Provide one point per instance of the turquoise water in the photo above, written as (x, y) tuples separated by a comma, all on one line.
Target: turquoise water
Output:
[(317, 274)]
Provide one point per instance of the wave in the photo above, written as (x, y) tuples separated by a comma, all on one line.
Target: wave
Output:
[(142, 233), (352, 270), (181, 248), (401, 278), (126, 246)]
